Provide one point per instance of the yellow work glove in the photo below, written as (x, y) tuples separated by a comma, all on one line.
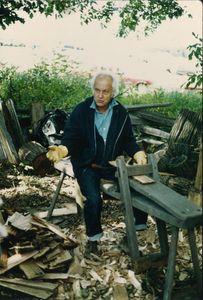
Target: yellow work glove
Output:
[(56, 153), (140, 158)]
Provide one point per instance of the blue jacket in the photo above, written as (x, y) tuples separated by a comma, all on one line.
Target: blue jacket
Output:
[(84, 143)]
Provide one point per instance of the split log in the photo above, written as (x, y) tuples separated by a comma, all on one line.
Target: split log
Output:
[(34, 154)]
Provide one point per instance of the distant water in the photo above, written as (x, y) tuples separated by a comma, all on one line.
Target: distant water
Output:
[(165, 69)]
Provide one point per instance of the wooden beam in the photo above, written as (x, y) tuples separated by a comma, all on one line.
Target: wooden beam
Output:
[(135, 107), (154, 131)]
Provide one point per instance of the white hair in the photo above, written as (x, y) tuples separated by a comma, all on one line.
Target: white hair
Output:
[(103, 73)]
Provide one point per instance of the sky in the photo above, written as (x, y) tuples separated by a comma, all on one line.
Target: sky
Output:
[(154, 58)]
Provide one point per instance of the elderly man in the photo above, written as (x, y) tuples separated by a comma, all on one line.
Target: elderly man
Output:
[(98, 130)]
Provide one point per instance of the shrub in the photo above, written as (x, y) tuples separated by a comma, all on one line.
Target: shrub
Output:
[(57, 85), (54, 85)]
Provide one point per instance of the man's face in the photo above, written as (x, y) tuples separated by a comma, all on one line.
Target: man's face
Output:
[(103, 92)]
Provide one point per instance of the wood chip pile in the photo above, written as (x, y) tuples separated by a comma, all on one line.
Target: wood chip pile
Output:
[(33, 252)]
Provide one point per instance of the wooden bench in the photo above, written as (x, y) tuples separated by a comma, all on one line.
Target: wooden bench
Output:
[(156, 199), (163, 203)]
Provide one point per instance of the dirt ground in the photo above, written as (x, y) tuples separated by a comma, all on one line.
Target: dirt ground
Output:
[(24, 191)]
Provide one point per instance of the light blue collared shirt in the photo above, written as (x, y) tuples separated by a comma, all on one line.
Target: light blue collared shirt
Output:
[(102, 120)]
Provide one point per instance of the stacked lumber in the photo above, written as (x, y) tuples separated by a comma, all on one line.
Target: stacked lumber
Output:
[(151, 129), (181, 157), (34, 251)]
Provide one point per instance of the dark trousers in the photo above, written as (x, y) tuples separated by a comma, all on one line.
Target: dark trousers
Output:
[(89, 182)]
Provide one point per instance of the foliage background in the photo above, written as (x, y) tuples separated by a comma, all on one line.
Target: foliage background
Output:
[(56, 85)]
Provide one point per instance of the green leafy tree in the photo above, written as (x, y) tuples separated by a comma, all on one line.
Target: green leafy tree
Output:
[(130, 12), (195, 52)]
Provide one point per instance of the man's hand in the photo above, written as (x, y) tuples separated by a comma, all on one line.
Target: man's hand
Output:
[(56, 153), (140, 158)]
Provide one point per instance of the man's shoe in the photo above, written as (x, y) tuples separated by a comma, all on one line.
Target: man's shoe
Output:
[(91, 248)]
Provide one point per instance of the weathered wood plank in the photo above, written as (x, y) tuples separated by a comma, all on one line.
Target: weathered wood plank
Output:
[(176, 204), (62, 257), (53, 228), (12, 123), (38, 289), (152, 141), (135, 170), (6, 140), (55, 276), (154, 131), (156, 118), (17, 259), (71, 209), (135, 107), (143, 179), (31, 269), (32, 283)]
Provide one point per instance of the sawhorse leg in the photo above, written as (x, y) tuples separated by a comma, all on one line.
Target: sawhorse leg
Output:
[(55, 197), (163, 236), (171, 264), (129, 216), (193, 248)]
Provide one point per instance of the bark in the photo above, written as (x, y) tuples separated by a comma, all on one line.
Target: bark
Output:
[(34, 154)]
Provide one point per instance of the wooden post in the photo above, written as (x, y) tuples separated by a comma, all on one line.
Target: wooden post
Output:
[(37, 113)]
